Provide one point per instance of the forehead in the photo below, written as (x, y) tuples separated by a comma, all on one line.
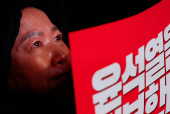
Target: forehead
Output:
[(33, 18)]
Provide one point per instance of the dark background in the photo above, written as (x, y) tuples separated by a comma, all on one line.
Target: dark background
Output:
[(87, 13)]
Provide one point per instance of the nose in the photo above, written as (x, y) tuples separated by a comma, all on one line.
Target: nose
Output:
[(59, 57)]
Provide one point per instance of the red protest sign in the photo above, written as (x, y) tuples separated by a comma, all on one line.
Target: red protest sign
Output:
[(123, 67)]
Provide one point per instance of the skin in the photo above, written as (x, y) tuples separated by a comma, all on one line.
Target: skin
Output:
[(40, 59)]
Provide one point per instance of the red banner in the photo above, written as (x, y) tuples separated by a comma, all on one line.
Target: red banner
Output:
[(123, 67)]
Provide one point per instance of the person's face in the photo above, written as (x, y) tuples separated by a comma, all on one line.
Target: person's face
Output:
[(40, 59)]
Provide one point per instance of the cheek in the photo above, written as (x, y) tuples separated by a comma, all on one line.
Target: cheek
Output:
[(39, 59), (38, 68), (32, 72), (38, 63)]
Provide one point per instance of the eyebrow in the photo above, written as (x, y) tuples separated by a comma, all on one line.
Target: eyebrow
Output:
[(54, 28), (38, 33)]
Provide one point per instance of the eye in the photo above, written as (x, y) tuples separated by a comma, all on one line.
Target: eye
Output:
[(59, 37), (37, 44)]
